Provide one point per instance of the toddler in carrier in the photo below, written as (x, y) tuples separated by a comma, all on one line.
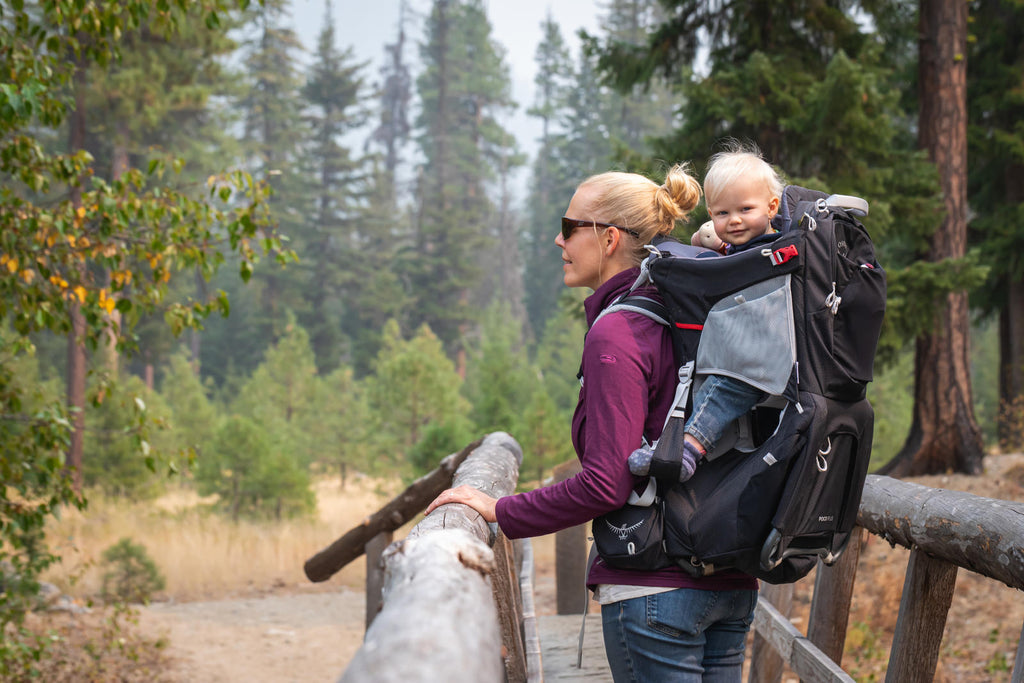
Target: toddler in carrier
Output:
[(742, 193)]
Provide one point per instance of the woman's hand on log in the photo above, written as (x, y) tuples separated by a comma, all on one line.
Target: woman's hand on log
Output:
[(467, 495)]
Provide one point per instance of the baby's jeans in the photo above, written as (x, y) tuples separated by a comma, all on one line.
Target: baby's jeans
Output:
[(719, 401)]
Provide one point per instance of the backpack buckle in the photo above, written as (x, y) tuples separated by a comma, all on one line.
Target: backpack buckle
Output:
[(781, 255)]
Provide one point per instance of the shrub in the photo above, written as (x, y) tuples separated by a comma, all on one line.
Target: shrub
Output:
[(132, 575)]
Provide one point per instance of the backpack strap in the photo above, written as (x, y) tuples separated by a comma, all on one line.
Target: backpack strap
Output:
[(636, 303)]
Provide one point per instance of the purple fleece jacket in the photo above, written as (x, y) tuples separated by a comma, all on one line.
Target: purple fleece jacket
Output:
[(629, 380)]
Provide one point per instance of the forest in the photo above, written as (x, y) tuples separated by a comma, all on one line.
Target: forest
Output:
[(235, 262)]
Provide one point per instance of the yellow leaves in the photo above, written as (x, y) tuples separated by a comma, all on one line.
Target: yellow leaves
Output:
[(11, 263), (80, 293), (71, 239), (28, 275), (120, 278), (79, 217), (107, 303), (58, 281), (155, 260)]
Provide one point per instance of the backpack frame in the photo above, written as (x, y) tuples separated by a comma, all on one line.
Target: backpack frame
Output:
[(799, 318)]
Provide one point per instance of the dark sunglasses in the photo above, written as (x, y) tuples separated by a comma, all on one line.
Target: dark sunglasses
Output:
[(570, 224)]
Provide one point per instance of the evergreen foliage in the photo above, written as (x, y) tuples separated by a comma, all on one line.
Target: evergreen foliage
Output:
[(131, 576), (250, 477), (414, 385), (463, 89), (117, 461), (996, 185)]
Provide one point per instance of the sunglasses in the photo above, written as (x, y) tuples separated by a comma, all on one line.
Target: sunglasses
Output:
[(570, 224)]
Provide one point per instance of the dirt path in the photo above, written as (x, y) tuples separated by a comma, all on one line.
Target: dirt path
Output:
[(278, 638)]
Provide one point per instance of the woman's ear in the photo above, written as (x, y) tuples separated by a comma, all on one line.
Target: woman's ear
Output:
[(612, 238)]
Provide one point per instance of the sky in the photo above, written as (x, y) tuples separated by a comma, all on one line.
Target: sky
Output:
[(515, 26)]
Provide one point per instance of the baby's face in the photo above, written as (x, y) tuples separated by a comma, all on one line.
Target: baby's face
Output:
[(743, 211)]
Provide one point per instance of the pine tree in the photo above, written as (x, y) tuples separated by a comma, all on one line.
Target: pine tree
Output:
[(996, 167), (334, 242), (273, 137), (280, 395), (550, 189), (497, 375), (395, 95), (463, 90), (413, 386), (644, 110)]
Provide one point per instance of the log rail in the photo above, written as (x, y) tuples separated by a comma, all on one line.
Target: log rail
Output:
[(456, 596)]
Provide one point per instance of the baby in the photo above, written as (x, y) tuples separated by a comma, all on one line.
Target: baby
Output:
[(743, 194)]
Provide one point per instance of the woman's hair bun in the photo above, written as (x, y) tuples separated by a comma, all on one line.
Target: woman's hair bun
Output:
[(679, 195)]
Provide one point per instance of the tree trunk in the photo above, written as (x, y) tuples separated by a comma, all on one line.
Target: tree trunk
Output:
[(944, 435), (76, 339)]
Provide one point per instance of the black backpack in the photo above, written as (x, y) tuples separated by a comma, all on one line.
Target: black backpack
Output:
[(798, 317)]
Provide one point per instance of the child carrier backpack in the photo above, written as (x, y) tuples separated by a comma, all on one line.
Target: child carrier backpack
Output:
[(799, 318)]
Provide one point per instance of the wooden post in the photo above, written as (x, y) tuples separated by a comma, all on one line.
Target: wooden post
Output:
[(570, 556), (509, 601), (927, 594), (766, 664), (375, 573), (833, 592), (439, 621)]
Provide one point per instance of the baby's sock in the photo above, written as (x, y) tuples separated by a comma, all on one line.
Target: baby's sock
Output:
[(640, 461)]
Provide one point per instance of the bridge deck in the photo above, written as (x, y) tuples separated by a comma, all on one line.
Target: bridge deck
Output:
[(559, 637)]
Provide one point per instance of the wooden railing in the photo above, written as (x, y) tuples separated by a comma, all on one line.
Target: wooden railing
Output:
[(945, 531), (456, 593)]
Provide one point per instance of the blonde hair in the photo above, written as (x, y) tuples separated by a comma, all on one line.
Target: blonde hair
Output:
[(633, 202), (740, 162)]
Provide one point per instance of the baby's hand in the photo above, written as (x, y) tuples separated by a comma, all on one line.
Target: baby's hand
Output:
[(707, 238)]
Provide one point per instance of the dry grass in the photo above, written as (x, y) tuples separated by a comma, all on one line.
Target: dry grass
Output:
[(205, 555)]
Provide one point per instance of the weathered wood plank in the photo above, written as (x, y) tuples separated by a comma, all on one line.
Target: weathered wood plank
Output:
[(833, 592), (766, 664), (802, 656), (407, 505), (439, 621), (508, 600), (375, 573), (927, 595), (531, 637), (979, 534)]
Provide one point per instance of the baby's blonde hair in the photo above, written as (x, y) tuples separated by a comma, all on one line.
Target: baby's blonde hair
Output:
[(740, 162), (631, 201)]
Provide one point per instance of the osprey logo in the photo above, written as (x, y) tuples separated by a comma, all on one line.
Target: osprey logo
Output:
[(624, 531)]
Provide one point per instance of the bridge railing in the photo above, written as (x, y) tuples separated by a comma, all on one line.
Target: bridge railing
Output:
[(453, 600), (456, 596)]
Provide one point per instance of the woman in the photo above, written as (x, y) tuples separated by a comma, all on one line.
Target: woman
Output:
[(658, 625)]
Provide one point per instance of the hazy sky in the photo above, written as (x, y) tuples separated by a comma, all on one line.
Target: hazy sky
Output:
[(366, 25)]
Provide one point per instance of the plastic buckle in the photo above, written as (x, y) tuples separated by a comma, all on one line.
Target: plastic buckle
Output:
[(784, 254)]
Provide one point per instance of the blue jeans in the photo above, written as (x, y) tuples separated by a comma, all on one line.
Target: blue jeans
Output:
[(719, 401), (682, 636)]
